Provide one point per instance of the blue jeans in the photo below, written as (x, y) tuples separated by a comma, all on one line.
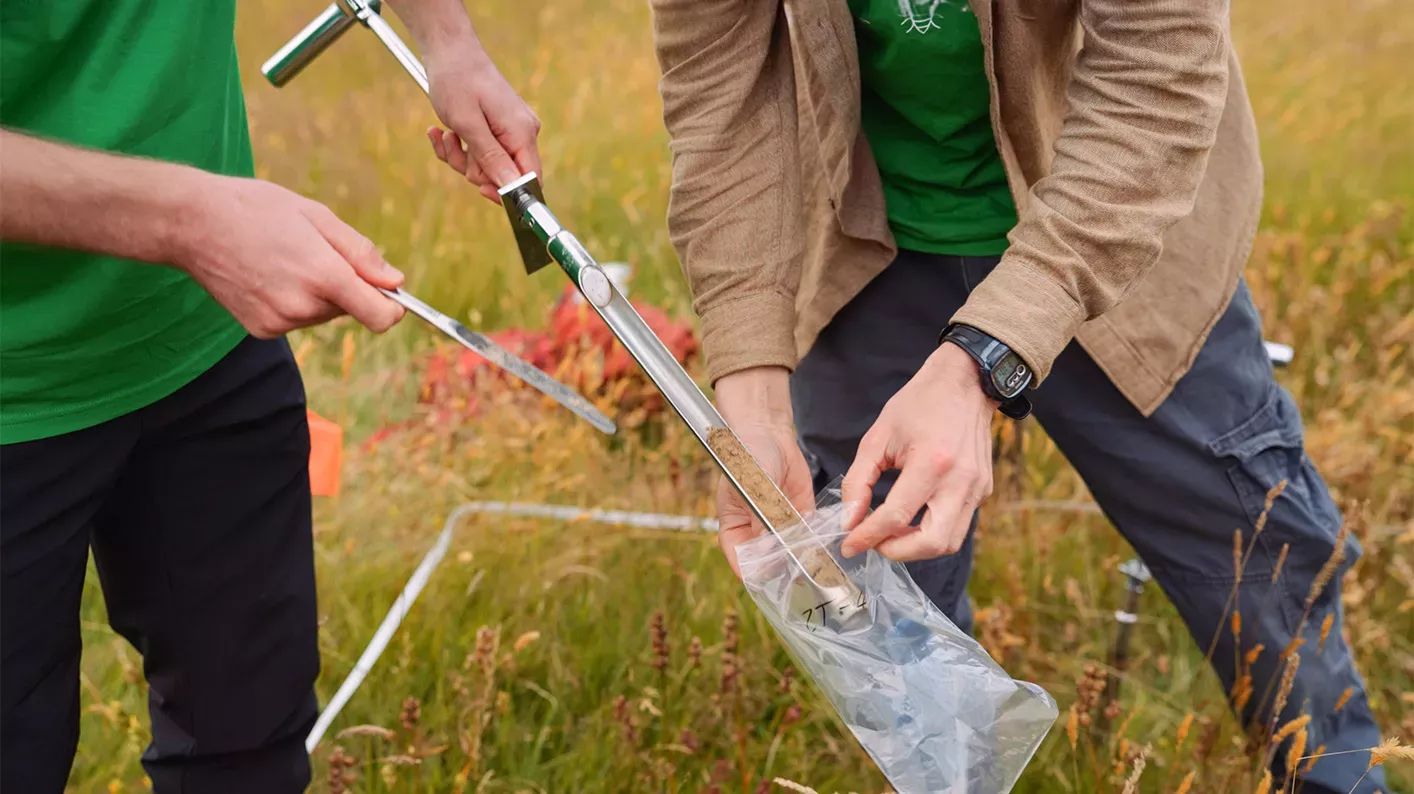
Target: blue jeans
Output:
[(1176, 484)]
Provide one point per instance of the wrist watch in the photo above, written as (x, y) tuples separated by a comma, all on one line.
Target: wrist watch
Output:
[(1004, 375)]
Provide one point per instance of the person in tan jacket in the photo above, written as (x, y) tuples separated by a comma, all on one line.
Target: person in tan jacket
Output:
[(899, 216)]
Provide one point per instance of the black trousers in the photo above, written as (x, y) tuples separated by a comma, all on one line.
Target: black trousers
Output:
[(1175, 483), (197, 509)]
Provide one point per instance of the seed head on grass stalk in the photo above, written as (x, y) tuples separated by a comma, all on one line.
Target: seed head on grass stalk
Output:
[(1292, 727), (341, 774), (731, 639), (1208, 739), (1288, 680), (659, 633), (1237, 565), (1253, 654), (1318, 585), (1183, 728), (1271, 499), (1294, 755), (1390, 748), (411, 714), (1281, 562), (1344, 698), (1323, 577), (794, 786), (484, 653), (1240, 562), (625, 720), (1112, 712), (787, 676), (1311, 759), (1132, 784), (694, 653), (1325, 632)]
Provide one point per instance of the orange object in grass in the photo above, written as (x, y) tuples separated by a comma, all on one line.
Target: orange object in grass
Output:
[(326, 455)]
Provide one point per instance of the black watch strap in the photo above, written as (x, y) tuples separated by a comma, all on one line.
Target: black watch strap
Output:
[(990, 354), (1018, 407)]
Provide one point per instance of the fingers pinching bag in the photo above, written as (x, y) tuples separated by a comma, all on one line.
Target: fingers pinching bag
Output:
[(926, 701)]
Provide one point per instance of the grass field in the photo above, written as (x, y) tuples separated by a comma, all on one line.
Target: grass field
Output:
[(531, 656)]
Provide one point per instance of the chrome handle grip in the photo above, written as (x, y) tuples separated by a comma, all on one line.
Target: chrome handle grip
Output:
[(309, 43)]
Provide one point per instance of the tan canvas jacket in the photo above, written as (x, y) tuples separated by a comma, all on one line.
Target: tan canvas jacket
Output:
[(1129, 147)]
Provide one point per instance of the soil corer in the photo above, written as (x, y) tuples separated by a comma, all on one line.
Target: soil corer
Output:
[(541, 239)]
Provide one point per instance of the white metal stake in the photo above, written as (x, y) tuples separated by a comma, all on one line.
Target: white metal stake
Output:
[(401, 606)]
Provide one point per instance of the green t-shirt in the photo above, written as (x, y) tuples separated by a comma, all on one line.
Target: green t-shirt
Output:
[(926, 114), (86, 338)]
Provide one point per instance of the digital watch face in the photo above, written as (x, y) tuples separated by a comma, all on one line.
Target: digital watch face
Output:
[(1010, 375)]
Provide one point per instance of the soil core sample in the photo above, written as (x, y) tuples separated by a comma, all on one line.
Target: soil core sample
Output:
[(777, 508)]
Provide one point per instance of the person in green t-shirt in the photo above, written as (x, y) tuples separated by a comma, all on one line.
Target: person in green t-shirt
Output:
[(926, 110), (1027, 207), (150, 409)]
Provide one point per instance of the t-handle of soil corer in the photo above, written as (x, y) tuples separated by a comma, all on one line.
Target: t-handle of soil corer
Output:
[(326, 29)]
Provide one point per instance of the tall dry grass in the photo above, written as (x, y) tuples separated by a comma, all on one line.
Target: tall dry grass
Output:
[(548, 658)]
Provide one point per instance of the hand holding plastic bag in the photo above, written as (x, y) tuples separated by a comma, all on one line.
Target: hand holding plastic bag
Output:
[(932, 709)]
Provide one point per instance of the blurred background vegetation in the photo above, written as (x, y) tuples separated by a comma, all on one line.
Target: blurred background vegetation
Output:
[(530, 662)]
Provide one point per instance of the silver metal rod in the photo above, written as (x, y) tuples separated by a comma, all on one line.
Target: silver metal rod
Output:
[(688, 401), (395, 45), (483, 346), (396, 614), (307, 45)]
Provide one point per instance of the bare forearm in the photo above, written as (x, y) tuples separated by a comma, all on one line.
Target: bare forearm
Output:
[(440, 28), (62, 196), (756, 396), (490, 134)]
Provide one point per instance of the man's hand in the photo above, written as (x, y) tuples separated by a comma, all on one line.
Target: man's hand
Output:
[(756, 403), (492, 132), (937, 430), (490, 135), (278, 261), (275, 260)]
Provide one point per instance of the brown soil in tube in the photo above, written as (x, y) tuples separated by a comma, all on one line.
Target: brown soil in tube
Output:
[(779, 512)]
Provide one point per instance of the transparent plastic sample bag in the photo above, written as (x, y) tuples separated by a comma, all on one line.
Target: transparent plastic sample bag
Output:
[(932, 709)]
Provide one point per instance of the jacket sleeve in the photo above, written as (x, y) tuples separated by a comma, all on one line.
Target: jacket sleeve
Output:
[(728, 93), (1145, 98)]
